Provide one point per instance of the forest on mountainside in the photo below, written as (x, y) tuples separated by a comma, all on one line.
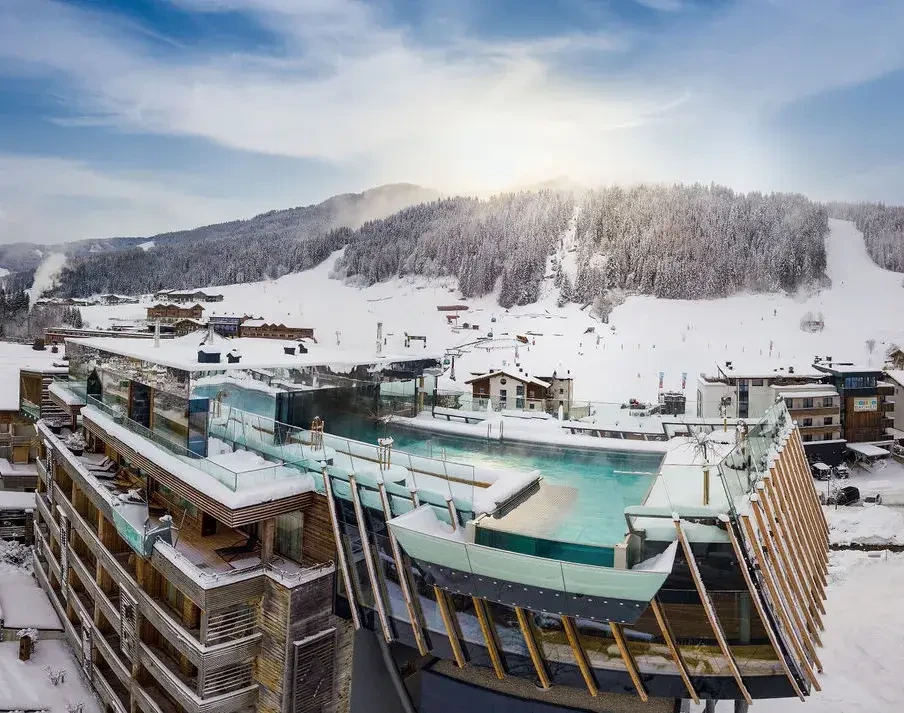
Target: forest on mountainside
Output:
[(685, 242), (697, 242), (882, 227), (504, 239), (680, 241)]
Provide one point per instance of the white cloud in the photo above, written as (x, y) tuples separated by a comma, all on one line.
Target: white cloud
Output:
[(457, 113), (52, 200)]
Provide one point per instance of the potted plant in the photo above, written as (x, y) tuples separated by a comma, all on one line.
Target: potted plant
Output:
[(75, 442), (56, 425)]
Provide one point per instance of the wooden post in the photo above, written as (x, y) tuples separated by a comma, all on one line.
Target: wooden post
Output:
[(580, 655), (369, 559), (780, 607), (789, 564), (268, 539), (801, 481), (709, 609), (628, 660), (798, 449), (669, 637), (788, 492), (489, 636), (758, 603), (536, 656), (451, 629), (785, 588), (403, 575), (340, 551)]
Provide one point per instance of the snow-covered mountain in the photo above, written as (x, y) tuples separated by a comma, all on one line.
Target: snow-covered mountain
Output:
[(614, 361)]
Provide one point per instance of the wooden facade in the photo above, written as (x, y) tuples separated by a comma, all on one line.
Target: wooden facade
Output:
[(274, 330), (174, 312)]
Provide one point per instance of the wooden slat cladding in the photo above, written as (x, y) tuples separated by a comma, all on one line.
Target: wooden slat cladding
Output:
[(208, 598), (314, 673), (228, 516), (318, 544), (270, 665)]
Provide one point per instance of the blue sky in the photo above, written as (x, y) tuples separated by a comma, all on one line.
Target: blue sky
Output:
[(130, 117)]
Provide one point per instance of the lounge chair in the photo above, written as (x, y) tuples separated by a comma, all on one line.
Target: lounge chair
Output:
[(245, 547), (107, 465)]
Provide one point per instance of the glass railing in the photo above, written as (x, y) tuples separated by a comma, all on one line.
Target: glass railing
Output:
[(77, 390)]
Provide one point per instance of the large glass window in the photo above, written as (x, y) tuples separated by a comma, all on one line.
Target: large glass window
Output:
[(289, 531), (860, 382)]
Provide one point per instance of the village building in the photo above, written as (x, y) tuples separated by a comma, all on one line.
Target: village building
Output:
[(226, 325), (816, 408), (509, 390), (895, 377), (169, 312), (263, 329), (185, 326), (188, 296), (866, 401), (747, 391)]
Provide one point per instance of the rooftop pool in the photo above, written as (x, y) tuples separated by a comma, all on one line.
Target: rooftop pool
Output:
[(577, 515)]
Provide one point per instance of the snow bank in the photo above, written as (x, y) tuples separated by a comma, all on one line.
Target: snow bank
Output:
[(875, 525)]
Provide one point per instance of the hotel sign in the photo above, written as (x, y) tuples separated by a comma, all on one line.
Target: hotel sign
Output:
[(866, 404)]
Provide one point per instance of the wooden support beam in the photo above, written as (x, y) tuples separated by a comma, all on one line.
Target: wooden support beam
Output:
[(340, 551), (416, 627), (489, 636), (782, 579), (789, 564), (580, 655), (628, 659), (780, 607), (369, 564), (793, 524), (451, 629), (806, 530), (756, 596), (532, 647), (710, 610), (798, 446), (802, 481), (669, 637)]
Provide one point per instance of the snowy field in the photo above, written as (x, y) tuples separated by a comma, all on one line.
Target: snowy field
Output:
[(646, 335)]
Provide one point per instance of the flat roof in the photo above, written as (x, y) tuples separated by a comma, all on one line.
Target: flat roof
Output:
[(807, 394), (867, 449), (767, 369), (842, 368), (257, 353)]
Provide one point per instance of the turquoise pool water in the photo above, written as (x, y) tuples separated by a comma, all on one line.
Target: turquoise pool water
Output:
[(585, 494)]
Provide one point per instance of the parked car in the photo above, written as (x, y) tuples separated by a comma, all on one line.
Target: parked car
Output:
[(820, 470), (842, 471)]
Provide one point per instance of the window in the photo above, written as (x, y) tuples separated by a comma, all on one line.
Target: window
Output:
[(860, 382), (827, 437), (561, 391), (503, 395), (757, 382), (807, 437), (827, 421), (808, 403), (827, 402), (808, 422), (289, 531), (503, 381), (531, 405), (519, 390)]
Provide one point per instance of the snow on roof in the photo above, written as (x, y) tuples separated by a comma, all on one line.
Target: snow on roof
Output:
[(24, 604), (11, 500), (15, 357), (210, 349), (291, 483), (846, 368), (257, 353), (868, 450), (511, 374), (767, 369), (896, 375), (65, 395), (807, 393)]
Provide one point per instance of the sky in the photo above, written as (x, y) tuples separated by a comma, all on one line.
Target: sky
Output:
[(132, 117)]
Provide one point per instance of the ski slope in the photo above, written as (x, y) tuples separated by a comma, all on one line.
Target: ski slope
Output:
[(620, 360)]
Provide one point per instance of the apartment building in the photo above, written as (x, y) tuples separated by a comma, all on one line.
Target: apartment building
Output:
[(184, 583), (817, 411)]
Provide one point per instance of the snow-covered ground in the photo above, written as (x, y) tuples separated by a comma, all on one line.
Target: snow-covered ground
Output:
[(620, 360), (14, 357)]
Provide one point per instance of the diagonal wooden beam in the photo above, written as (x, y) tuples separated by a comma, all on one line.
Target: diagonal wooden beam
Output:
[(802, 482), (669, 637), (790, 565), (806, 530), (782, 578), (489, 636), (806, 479), (536, 656), (756, 596), (369, 560), (445, 611), (630, 664), (710, 610), (416, 628), (580, 655), (780, 607), (340, 551)]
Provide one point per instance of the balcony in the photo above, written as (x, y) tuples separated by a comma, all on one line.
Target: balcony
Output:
[(110, 690), (109, 647)]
